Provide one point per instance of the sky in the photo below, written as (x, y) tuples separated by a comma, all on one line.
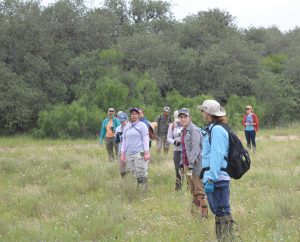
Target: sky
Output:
[(284, 14)]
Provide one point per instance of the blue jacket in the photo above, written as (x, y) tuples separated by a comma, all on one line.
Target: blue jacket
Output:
[(116, 123), (213, 154)]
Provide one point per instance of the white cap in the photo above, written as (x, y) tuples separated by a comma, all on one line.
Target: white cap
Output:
[(213, 108)]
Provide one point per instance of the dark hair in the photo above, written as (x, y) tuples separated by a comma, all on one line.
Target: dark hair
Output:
[(221, 119)]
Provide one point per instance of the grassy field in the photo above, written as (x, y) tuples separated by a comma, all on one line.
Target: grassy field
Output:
[(67, 191)]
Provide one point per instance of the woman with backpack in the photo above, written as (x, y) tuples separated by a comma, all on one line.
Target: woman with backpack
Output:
[(191, 142), (250, 122), (135, 148), (214, 176), (173, 137)]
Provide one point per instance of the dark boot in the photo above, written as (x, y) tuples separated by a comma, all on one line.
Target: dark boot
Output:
[(203, 206), (178, 181), (143, 181), (226, 223), (218, 228), (123, 174)]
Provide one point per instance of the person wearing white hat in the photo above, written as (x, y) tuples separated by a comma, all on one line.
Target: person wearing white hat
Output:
[(214, 176)]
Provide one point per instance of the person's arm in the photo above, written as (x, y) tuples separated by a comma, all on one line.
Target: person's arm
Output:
[(256, 122), (170, 136), (103, 131), (195, 143), (145, 136)]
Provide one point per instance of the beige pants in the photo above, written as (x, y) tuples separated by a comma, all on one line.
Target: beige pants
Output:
[(196, 185), (137, 165)]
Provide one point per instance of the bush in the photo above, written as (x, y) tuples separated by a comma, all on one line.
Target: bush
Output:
[(68, 121)]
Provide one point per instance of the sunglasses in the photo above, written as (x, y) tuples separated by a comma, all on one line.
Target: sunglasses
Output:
[(111, 111), (247, 108)]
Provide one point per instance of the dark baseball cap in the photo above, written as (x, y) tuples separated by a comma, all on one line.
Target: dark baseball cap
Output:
[(185, 111)]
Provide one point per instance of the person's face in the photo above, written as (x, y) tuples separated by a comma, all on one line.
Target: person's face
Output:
[(205, 116), (248, 110), (123, 123), (134, 116), (166, 113), (111, 113), (184, 120), (141, 114)]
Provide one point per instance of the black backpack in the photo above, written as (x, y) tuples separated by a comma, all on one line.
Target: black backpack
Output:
[(238, 160)]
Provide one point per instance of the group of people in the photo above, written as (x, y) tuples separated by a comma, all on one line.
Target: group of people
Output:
[(199, 154)]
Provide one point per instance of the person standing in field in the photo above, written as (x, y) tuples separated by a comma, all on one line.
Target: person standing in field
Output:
[(163, 121), (174, 134), (108, 128), (214, 176), (135, 148), (250, 122), (118, 140), (191, 141)]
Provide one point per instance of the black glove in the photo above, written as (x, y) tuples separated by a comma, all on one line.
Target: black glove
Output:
[(177, 143)]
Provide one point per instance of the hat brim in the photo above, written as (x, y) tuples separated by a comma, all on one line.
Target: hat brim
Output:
[(187, 114), (134, 110)]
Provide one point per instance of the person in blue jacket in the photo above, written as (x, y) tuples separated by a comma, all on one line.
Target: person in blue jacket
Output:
[(108, 128), (215, 179)]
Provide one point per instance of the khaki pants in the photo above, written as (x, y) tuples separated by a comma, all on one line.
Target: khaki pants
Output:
[(162, 142), (137, 165), (196, 185)]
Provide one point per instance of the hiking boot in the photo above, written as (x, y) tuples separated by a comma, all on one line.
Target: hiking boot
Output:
[(203, 206)]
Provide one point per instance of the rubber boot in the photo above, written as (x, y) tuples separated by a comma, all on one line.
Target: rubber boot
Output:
[(218, 228), (254, 149), (226, 223), (123, 174), (178, 180), (203, 206), (143, 181)]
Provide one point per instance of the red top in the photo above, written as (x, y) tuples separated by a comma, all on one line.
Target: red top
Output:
[(255, 120)]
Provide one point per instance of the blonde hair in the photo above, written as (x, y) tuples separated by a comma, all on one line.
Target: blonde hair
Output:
[(250, 107)]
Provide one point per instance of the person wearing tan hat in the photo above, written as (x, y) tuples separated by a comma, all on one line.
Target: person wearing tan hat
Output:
[(191, 142), (214, 176), (250, 122)]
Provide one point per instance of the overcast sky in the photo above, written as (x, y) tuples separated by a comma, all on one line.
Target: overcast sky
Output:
[(285, 14)]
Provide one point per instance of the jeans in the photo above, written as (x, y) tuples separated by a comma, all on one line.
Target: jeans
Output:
[(177, 159), (219, 200), (250, 137)]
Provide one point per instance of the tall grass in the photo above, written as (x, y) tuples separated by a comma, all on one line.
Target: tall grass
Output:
[(67, 191)]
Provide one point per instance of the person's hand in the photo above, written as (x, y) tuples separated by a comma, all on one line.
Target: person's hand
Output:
[(123, 156), (209, 187), (147, 155), (177, 143), (189, 173)]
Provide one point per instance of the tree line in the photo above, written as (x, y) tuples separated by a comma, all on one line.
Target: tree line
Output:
[(63, 65)]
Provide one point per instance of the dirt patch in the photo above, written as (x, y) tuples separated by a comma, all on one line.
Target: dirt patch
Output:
[(280, 137)]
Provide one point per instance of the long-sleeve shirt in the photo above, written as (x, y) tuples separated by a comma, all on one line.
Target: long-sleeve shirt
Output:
[(193, 147), (115, 123), (174, 133), (214, 153), (135, 138)]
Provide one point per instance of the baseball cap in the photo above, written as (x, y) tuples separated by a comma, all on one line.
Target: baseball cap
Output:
[(167, 109), (212, 107), (134, 110), (185, 111), (123, 117)]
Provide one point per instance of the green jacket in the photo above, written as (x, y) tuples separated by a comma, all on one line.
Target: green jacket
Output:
[(116, 123)]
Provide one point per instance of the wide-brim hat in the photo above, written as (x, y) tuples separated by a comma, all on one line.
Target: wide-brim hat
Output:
[(213, 108)]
